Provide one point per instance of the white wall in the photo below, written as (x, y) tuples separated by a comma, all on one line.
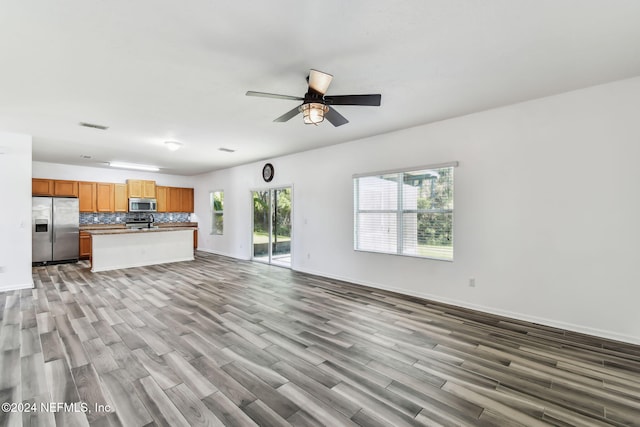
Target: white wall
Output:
[(87, 173), (15, 214), (547, 197)]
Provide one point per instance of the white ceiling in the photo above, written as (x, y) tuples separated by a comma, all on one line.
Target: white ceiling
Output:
[(157, 70)]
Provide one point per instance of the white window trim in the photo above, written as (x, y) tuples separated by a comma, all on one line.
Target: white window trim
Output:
[(214, 212), (399, 211)]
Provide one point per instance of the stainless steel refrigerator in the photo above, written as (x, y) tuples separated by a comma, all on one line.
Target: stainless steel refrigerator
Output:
[(54, 230)]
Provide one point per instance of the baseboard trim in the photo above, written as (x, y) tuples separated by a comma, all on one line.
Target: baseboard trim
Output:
[(211, 251), (17, 287), (609, 335)]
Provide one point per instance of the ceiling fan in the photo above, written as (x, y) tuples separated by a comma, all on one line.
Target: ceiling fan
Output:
[(316, 106)]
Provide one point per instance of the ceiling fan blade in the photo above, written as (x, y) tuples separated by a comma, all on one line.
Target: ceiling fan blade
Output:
[(288, 115), (273, 95), (319, 81), (371, 100), (335, 118)]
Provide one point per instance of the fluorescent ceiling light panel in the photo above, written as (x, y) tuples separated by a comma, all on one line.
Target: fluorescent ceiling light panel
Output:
[(134, 166)]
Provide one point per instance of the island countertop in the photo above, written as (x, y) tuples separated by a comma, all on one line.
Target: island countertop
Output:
[(137, 230), (113, 249)]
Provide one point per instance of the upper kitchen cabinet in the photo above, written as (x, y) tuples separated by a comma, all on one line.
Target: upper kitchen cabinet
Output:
[(65, 188), (141, 188), (174, 199), (121, 203), (41, 187), (87, 196), (161, 199), (149, 189), (53, 187), (105, 199), (187, 200)]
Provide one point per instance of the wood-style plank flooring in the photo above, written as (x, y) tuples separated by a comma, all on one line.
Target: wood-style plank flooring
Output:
[(218, 341)]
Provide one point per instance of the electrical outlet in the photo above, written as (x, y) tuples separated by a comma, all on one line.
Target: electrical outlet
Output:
[(472, 282)]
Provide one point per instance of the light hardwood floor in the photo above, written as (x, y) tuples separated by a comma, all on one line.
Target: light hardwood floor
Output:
[(218, 341)]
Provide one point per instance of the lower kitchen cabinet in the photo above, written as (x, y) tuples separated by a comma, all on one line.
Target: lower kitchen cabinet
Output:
[(195, 239), (85, 245)]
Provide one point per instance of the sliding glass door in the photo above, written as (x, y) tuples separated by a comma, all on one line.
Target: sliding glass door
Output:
[(272, 226)]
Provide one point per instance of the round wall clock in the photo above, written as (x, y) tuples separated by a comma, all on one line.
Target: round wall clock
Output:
[(267, 172)]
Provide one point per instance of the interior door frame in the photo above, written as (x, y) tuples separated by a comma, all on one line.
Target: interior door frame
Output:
[(270, 255)]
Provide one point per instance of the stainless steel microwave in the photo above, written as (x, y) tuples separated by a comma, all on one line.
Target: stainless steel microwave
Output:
[(142, 205)]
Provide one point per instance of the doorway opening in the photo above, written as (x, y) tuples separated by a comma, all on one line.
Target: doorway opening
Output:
[(272, 226)]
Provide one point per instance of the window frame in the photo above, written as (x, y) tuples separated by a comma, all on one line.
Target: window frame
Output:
[(216, 213), (399, 211)]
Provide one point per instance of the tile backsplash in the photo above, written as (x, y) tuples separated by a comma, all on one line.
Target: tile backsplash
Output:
[(119, 218)]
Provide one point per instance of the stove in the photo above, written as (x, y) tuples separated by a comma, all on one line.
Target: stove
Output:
[(139, 220)]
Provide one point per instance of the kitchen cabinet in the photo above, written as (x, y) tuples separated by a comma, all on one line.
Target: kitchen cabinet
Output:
[(65, 188), (195, 239), (149, 189), (187, 200), (41, 187), (161, 199), (120, 200), (174, 199), (54, 187), (87, 196), (104, 197), (85, 245), (141, 188)]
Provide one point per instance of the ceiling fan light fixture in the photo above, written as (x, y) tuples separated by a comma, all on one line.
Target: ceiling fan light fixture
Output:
[(313, 112), (172, 145)]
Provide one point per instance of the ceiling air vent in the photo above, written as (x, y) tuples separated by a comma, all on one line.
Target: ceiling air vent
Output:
[(227, 150), (94, 126)]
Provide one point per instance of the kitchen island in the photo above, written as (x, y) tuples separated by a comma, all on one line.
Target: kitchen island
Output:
[(113, 249)]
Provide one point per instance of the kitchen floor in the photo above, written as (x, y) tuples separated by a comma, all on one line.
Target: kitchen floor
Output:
[(219, 341)]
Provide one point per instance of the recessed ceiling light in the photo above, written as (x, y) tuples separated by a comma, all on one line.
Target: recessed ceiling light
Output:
[(135, 166), (94, 126), (172, 145), (227, 150)]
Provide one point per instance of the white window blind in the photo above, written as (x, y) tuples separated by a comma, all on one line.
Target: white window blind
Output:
[(408, 212)]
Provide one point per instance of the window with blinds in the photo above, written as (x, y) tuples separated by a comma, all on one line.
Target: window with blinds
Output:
[(405, 212)]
